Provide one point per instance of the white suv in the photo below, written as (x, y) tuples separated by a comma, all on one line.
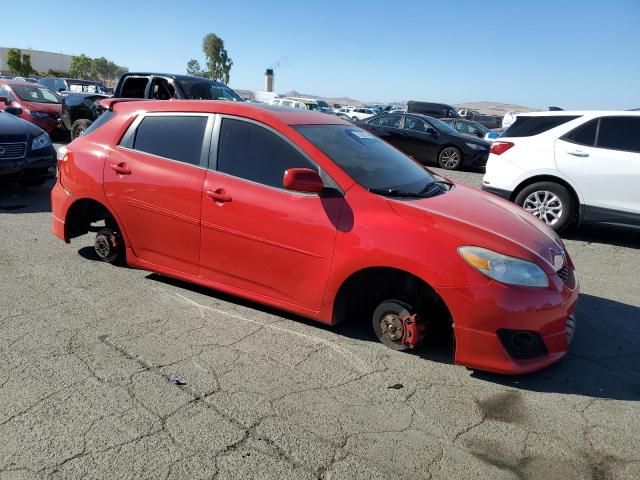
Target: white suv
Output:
[(570, 166)]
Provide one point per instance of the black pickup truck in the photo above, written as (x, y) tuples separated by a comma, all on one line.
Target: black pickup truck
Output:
[(78, 112)]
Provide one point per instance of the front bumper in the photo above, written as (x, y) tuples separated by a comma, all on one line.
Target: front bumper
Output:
[(480, 312), (475, 159), (40, 165)]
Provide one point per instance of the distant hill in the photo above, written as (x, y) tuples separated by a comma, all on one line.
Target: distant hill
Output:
[(487, 108), (494, 108), (329, 100)]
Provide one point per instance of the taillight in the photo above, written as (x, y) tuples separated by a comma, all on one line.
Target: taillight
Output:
[(498, 148)]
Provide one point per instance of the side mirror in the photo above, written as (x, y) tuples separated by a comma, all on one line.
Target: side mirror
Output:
[(4, 100), (302, 180), (17, 111), (432, 132)]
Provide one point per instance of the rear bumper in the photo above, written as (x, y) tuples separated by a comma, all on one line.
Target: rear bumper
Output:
[(61, 200), (42, 165), (506, 194), (479, 312)]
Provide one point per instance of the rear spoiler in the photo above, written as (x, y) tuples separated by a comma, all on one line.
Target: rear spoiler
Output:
[(108, 103)]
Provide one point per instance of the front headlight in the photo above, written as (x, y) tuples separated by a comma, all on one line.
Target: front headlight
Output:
[(41, 141), (502, 268), (474, 146)]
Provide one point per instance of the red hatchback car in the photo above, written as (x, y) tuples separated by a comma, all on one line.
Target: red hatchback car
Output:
[(39, 104), (305, 212)]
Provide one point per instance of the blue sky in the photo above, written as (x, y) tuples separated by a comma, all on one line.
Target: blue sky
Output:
[(574, 54)]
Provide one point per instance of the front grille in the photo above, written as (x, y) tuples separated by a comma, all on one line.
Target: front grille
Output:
[(563, 273), (12, 150)]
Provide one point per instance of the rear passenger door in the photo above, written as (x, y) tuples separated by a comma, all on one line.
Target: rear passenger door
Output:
[(153, 181), (418, 143), (256, 235), (602, 157)]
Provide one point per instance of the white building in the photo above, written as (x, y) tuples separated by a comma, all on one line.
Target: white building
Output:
[(40, 61)]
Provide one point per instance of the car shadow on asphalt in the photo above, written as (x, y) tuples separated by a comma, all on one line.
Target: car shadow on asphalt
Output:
[(601, 364), (617, 235), (15, 199), (604, 357)]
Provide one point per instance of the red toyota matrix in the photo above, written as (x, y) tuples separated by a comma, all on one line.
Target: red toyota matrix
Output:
[(302, 211)]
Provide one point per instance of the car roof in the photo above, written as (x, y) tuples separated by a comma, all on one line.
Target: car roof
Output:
[(169, 75), (257, 111), (562, 113), (19, 82)]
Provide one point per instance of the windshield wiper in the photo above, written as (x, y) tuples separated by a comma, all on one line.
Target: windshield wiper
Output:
[(432, 189), (394, 192)]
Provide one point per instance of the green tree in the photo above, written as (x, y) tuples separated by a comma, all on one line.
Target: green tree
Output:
[(81, 67), (193, 68), (27, 69), (14, 61), (218, 61)]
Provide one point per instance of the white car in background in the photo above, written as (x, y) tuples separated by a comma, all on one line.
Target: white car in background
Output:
[(569, 166), (361, 113)]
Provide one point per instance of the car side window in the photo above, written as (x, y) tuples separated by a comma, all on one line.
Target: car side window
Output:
[(619, 133), (4, 92), (584, 134), (415, 124), (255, 153), (134, 87), (391, 121), (161, 89), (171, 136)]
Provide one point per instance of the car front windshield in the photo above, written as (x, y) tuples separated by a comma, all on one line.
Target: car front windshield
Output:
[(32, 93), (370, 161), (208, 90)]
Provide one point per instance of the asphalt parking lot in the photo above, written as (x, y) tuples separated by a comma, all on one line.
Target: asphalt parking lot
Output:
[(112, 372)]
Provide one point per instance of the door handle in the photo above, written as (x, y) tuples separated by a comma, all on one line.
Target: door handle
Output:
[(218, 195), (121, 168), (577, 153)]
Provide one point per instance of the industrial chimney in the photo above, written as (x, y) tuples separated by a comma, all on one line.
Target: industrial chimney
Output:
[(268, 80)]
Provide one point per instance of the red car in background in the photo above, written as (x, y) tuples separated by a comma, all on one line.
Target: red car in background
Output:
[(39, 105), (305, 212)]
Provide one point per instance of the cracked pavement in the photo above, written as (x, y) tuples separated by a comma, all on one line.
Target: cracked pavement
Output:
[(112, 372)]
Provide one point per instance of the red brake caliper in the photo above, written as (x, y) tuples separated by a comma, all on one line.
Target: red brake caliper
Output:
[(414, 329)]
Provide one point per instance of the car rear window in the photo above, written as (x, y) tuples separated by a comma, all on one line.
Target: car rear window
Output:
[(172, 136), (584, 134), (620, 133), (100, 121), (529, 126)]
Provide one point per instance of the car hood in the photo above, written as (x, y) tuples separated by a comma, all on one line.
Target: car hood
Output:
[(467, 137), (16, 129), (41, 107), (480, 219)]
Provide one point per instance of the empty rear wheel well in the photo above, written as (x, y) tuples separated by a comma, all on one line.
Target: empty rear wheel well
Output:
[(83, 213), (359, 295)]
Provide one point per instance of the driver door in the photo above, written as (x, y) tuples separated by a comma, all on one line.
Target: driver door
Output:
[(256, 235)]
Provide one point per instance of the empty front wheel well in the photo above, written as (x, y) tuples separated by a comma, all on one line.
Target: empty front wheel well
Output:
[(85, 212), (359, 295)]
